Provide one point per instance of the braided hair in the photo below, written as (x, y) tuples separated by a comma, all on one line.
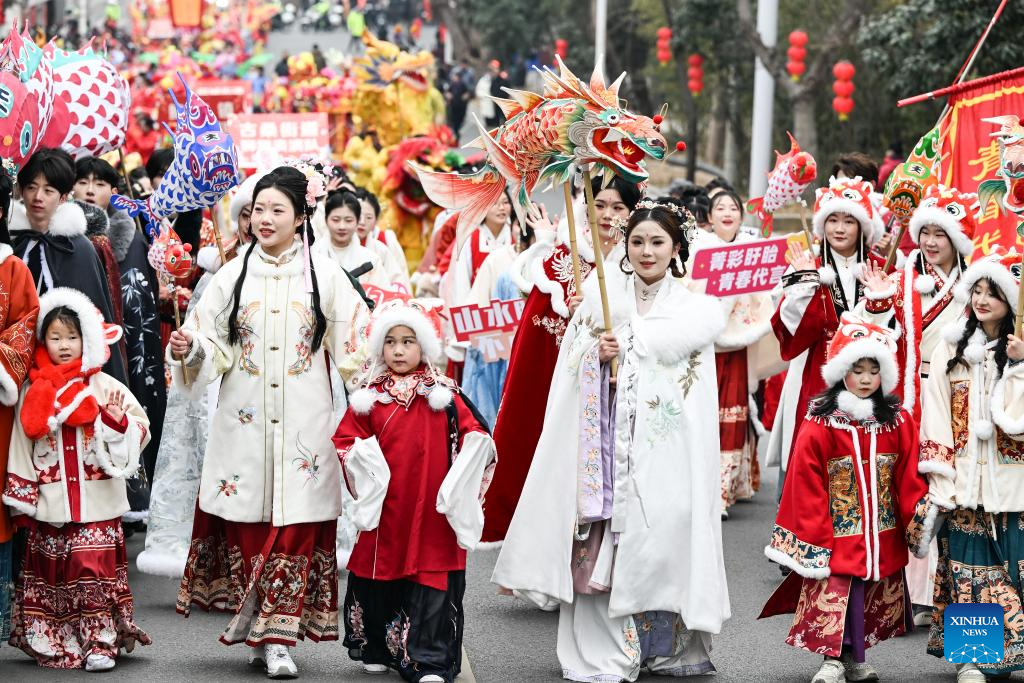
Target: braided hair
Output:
[(292, 183), (972, 324)]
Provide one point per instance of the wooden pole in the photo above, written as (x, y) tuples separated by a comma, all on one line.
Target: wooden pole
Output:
[(596, 237), (895, 245), (807, 230), (1019, 326), (172, 288), (214, 212), (570, 217)]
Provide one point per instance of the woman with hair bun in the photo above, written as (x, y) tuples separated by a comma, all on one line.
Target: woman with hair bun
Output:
[(736, 350), (619, 521), (263, 540)]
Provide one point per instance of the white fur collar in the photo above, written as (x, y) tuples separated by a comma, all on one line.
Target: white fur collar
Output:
[(859, 409), (5, 251), (67, 221), (679, 323), (586, 250)]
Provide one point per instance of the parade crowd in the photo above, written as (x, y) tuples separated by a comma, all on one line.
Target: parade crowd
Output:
[(293, 409)]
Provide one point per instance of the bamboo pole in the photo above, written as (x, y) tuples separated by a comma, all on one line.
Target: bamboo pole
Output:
[(172, 289), (595, 236), (214, 213), (570, 217), (891, 259), (807, 230)]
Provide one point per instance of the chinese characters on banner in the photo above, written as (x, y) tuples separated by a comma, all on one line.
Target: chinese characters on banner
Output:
[(488, 328), (742, 268), (262, 140), (379, 295), (226, 98), (970, 154)]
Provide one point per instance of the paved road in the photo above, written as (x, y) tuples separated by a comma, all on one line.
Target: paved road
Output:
[(505, 640)]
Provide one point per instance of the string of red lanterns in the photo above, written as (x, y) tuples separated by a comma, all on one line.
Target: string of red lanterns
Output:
[(843, 88), (797, 53), (695, 74), (664, 53)]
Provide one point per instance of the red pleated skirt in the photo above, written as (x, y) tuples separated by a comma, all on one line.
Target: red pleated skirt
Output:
[(72, 598), (281, 583)]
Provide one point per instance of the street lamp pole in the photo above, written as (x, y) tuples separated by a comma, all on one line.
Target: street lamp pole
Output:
[(600, 33), (764, 102)]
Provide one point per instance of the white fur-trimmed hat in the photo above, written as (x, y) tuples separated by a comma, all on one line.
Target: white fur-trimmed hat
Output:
[(423, 317), (97, 335), (954, 211), (855, 339), (851, 196), (243, 195), (1000, 266)]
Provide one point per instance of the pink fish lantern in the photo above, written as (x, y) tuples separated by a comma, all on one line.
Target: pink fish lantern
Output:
[(169, 256)]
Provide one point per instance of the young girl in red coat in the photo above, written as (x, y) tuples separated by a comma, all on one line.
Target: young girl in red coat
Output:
[(417, 459), (856, 504)]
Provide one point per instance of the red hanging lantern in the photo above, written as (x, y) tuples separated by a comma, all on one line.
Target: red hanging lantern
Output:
[(695, 74), (796, 53), (664, 53), (843, 88), (561, 47)]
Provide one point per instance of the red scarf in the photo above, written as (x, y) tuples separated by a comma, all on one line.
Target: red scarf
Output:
[(43, 410)]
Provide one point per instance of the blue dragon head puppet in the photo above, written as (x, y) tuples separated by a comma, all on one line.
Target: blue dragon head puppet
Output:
[(205, 165)]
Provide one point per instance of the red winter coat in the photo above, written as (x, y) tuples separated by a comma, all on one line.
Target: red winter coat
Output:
[(851, 509)]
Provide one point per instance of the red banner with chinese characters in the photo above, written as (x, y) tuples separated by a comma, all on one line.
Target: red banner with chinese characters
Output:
[(263, 140), (742, 268), (970, 154), (227, 99), (489, 328)]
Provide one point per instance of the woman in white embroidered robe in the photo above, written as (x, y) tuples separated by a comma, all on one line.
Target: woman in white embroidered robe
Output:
[(263, 541), (620, 525)]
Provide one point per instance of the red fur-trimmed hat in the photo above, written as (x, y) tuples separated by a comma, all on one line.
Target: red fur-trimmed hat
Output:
[(852, 196), (855, 339), (1000, 266), (954, 211)]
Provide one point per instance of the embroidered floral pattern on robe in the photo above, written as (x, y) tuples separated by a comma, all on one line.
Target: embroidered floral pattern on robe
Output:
[(932, 451), (246, 339), (304, 347)]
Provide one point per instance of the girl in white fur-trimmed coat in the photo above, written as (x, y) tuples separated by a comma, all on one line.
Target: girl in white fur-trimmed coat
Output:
[(78, 435)]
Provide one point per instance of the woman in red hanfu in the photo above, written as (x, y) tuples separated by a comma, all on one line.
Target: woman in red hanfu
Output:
[(920, 301), (815, 293), (749, 319), (416, 458), (852, 510), (535, 351)]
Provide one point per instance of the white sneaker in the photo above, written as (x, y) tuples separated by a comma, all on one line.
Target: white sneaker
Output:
[(256, 658), (432, 678), (859, 671), (98, 662), (279, 662), (375, 669), (831, 671), (969, 673)]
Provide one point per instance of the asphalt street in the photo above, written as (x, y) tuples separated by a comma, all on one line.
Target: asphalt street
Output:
[(505, 640)]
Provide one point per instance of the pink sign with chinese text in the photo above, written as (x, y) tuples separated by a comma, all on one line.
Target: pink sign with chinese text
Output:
[(265, 139), (489, 328), (742, 268)]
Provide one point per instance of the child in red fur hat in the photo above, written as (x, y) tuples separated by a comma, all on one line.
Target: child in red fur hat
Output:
[(78, 435)]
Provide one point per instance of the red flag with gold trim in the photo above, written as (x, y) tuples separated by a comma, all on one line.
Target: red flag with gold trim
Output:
[(971, 154)]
